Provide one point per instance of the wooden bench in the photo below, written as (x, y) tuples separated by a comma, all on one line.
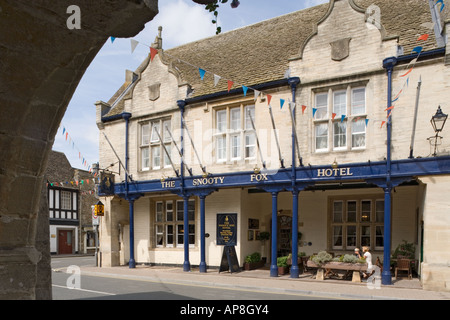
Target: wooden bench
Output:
[(325, 270)]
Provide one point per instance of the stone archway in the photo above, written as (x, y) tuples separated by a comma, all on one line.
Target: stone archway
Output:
[(41, 63)]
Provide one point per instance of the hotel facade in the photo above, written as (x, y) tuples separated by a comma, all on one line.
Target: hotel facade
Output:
[(313, 126)]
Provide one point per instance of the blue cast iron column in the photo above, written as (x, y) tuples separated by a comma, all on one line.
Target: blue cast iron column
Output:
[(132, 262), (293, 82), (202, 235), (186, 264), (294, 268), (386, 277), (273, 260)]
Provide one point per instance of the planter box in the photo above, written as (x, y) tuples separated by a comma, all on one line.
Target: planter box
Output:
[(283, 270), (253, 265), (339, 266)]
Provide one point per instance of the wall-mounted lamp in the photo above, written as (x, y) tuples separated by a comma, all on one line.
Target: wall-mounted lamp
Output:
[(438, 122), (256, 170)]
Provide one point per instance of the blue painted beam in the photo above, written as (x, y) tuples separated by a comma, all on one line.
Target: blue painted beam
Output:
[(367, 171)]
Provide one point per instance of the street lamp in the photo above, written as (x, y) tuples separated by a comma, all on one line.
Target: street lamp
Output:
[(438, 122)]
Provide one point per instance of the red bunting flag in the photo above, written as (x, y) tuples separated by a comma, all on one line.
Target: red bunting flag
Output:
[(269, 97), (409, 71), (303, 109), (153, 53), (230, 84), (423, 37), (333, 116), (390, 108), (382, 124)]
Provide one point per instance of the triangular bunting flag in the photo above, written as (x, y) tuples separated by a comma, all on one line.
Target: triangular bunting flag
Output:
[(382, 123), (423, 37), (269, 97), (256, 94), (216, 79), (343, 118), (417, 49), (390, 108), (408, 72), (230, 84), (412, 62), (281, 103), (202, 73), (367, 122), (244, 88), (153, 53), (303, 109), (112, 39), (134, 44), (314, 112), (333, 115), (287, 74)]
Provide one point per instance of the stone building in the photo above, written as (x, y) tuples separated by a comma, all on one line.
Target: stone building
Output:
[(70, 197), (205, 131)]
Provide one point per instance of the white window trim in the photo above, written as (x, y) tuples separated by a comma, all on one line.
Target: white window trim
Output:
[(350, 119), (228, 133)]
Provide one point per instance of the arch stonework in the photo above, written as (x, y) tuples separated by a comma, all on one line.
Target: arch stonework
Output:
[(42, 61)]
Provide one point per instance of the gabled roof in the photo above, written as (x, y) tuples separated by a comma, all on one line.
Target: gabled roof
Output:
[(260, 53)]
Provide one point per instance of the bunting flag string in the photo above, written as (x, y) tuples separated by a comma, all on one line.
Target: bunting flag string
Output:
[(71, 142), (230, 83), (90, 182)]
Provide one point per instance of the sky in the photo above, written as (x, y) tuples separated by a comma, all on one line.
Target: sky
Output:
[(183, 21)]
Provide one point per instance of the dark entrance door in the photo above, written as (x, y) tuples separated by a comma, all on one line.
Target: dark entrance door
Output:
[(65, 242), (284, 235)]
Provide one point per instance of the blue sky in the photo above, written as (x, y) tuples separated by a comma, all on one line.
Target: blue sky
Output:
[(183, 21)]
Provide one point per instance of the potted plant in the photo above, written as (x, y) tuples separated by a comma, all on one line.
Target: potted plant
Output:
[(253, 261), (282, 265), (405, 250)]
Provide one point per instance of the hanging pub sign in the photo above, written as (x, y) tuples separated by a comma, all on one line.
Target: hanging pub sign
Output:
[(99, 209), (226, 229), (106, 185)]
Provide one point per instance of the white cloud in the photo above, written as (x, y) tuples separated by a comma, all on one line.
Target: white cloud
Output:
[(183, 21)]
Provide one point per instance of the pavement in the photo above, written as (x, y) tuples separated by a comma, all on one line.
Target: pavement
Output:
[(260, 280)]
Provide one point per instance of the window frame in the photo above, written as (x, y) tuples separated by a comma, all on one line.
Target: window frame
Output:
[(352, 219), (233, 133), (151, 151), (169, 229), (340, 100)]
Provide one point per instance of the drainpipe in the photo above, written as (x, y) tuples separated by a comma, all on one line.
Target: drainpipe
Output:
[(386, 277), (294, 269), (186, 265)]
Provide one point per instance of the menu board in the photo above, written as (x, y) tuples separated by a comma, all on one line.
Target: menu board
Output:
[(226, 229), (229, 260)]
